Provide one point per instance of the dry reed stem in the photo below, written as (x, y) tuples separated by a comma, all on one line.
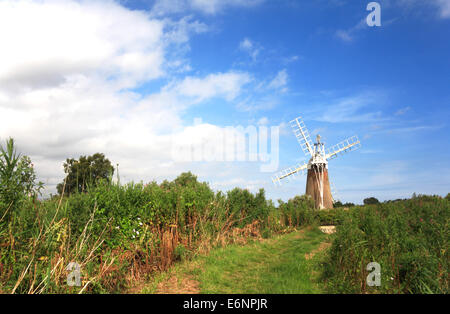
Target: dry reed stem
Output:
[(4, 215), (22, 275)]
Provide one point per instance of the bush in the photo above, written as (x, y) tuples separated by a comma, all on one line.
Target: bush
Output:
[(17, 180), (297, 211), (370, 201)]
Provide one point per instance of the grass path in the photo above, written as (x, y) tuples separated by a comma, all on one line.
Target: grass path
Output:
[(283, 264)]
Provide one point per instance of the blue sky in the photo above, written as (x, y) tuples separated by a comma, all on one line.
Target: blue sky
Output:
[(158, 65)]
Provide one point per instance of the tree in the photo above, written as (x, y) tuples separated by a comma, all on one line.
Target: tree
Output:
[(17, 179), (338, 204), (370, 201), (186, 179), (84, 172)]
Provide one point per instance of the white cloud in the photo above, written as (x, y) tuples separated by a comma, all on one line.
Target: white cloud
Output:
[(409, 129), (280, 81), (258, 102), (162, 7), (227, 85), (263, 121), (253, 49), (134, 131), (287, 60), (246, 44), (180, 31), (349, 35), (65, 67), (349, 109), (46, 42), (402, 111), (444, 8), (266, 94), (344, 35)]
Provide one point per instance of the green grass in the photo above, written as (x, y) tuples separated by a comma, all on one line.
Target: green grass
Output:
[(277, 265)]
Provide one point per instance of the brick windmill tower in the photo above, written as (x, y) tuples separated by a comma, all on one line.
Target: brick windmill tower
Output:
[(317, 180)]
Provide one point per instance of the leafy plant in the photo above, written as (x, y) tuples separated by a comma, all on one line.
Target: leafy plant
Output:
[(85, 172), (17, 179)]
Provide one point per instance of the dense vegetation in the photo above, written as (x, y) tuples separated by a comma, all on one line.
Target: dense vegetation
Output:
[(118, 234), (408, 238)]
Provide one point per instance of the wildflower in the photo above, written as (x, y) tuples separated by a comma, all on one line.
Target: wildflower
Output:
[(137, 232)]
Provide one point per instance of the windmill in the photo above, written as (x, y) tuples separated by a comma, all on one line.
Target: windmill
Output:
[(317, 181)]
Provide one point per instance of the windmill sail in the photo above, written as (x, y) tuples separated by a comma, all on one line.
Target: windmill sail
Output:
[(317, 181), (292, 171), (302, 135), (334, 192), (343, 147)]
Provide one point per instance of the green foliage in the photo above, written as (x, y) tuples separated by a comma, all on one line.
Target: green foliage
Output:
[(181, 252), (409, 239), (245, 207), (329, 216), (85, 172), (186, 179), (339, 204), (17, 180), (297, 211), (370, 201)]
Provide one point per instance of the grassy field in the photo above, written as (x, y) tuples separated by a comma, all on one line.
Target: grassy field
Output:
[(283, 264)]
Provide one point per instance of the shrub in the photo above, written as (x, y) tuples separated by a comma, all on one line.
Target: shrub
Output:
[(297, 211), (17, 180), (370, 201)]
